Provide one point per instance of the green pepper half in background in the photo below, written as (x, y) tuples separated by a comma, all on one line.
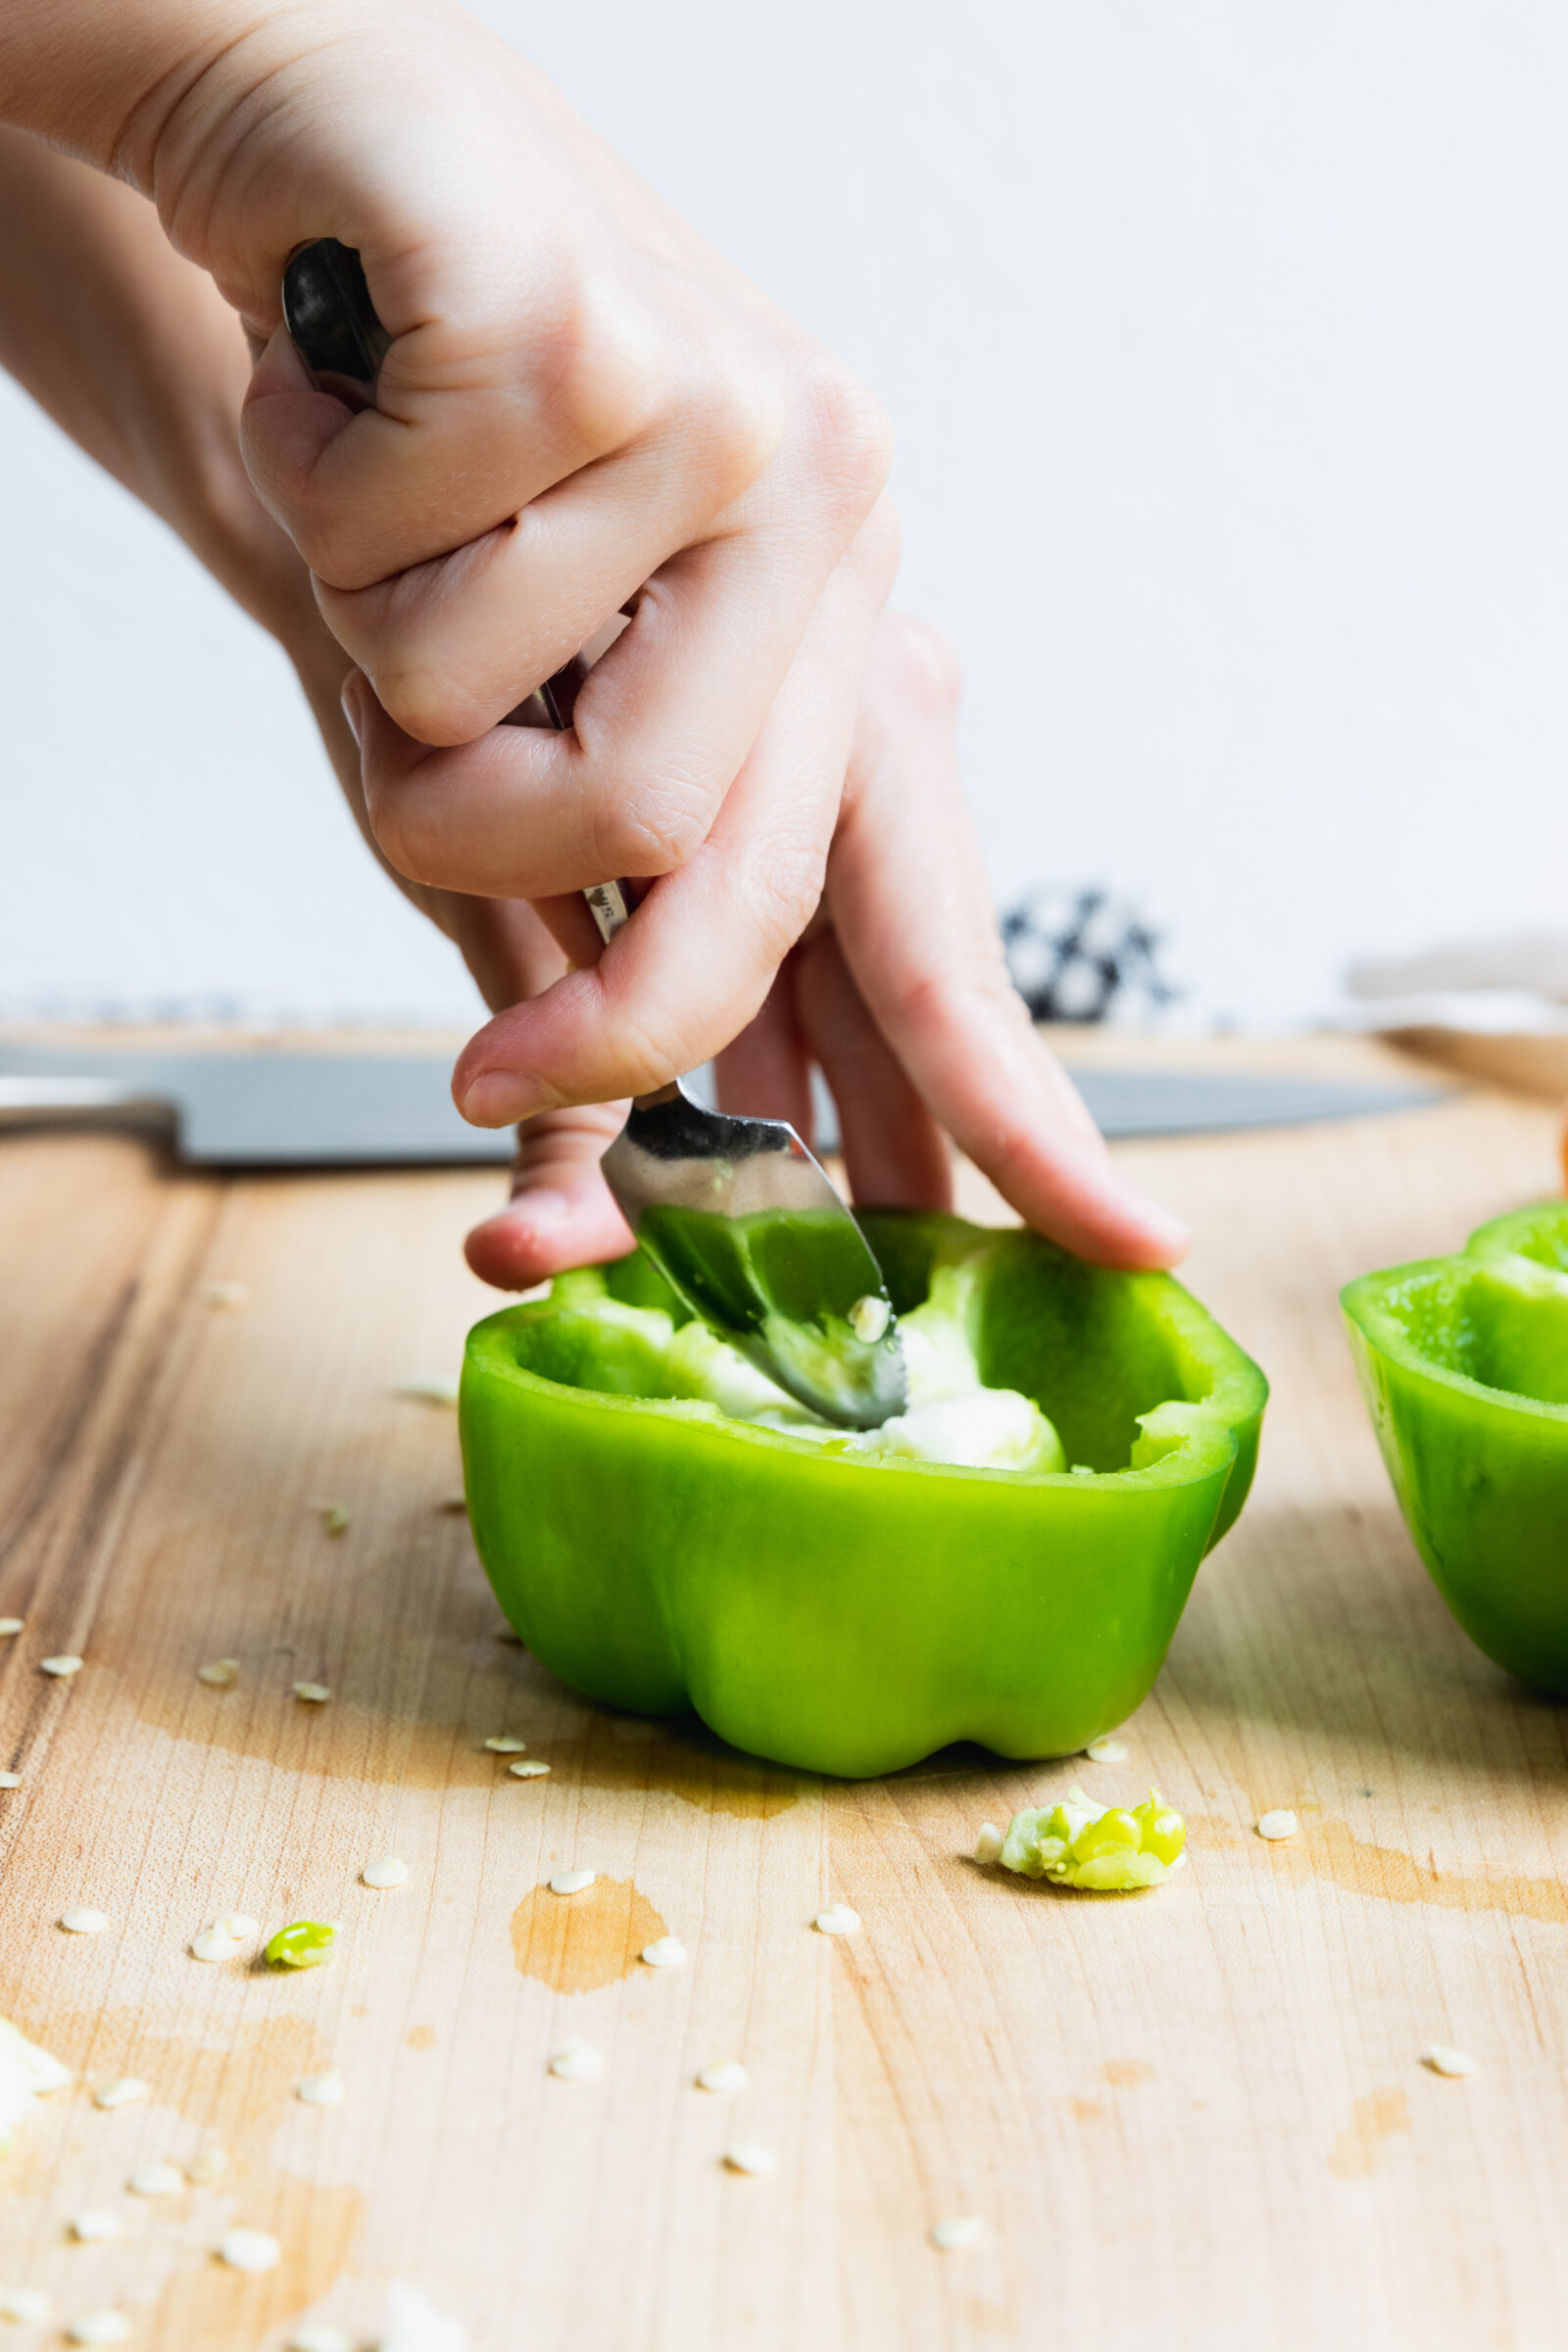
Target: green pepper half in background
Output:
[(844, 1615), (1463, 1362)]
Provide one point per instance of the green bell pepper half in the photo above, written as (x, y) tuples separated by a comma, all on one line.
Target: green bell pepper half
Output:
[(850, 1616), (1463, 1362)]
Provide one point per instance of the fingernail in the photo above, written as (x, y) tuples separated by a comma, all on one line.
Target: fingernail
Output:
[(1168, 1234), (349, 696), (500, 1097)]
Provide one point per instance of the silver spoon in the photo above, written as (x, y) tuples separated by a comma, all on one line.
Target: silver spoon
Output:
[(736, 1213)]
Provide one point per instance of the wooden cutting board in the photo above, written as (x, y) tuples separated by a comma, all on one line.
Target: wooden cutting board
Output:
[(1194, 2118)]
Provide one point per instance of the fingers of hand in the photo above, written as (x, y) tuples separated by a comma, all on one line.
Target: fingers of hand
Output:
[(452, 645), (560, 1213), (475, 415), (914, 918), (661, 726), (696, 961), (894, 1153), (765, 1073)]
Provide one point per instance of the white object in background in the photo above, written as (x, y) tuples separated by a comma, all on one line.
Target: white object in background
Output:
[(1496, 1008)]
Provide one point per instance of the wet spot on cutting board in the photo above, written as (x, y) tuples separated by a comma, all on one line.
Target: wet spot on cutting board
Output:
[(1331, 1849), (211, 2304), (229, 2077), (428, 1730), (686, 1759), (1381, 2115), (590, 1941), (1126, 2073), (421, 2038)]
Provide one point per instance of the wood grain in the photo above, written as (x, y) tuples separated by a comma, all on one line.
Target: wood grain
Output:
[(1197, 2117)]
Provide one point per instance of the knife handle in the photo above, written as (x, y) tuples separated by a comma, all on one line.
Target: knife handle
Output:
[(333, 326)]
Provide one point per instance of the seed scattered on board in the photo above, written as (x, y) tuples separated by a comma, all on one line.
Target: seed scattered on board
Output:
[(220, 1672), (334, 1516), (250, 2250), (319, 2340), (212, 1945), (836, 1920), (9, 1779), (429, 1388), (82, 1920), (126, 2091), (315, 1695), (1280, 1824), (227, 1294), (320, 2091), (90, 2228), (501, 1744), (156, 2180), (223, 1938), (1445, 2061), (28, 2304), (10, 1626), (387, 1871), (958, 2233), (748, 2158), (573, 1882), (1107, 1751), (728, 2075), (990, 1842), (99, 2328), (528, 1769), (578, 2062), (62, 1668), (667, 1951)]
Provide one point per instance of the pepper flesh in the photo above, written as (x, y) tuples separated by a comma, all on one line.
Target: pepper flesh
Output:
[(851, 1614), (302, 1943), (1107, 1852), (1463, 1362)]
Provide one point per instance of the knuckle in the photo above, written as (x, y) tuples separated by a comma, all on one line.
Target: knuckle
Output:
[(915, 659), (852, 434), (427, 699), (786, 892), (645, 1051), (738, 422), (593, 373), (399, 836), (654, 828)]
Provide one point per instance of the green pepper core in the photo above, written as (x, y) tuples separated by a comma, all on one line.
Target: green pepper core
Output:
[(850, 1615), (1112, 1852), (304, 1943), (1463, 1362)]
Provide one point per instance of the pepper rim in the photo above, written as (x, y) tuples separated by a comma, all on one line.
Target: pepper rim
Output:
[(1364, 1304)]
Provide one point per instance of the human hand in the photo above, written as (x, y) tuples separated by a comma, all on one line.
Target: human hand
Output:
[(133, 353), (899, 991), (736, 686)]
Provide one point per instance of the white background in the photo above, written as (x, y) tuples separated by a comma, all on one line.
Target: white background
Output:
[(1227, 348)]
